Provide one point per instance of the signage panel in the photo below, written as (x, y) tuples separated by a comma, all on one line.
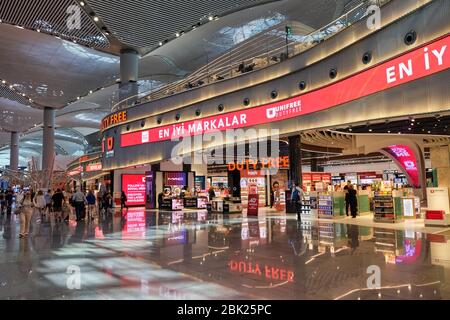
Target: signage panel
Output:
[(421, 62)]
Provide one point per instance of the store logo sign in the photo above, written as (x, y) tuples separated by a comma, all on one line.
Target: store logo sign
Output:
[(293, 107)]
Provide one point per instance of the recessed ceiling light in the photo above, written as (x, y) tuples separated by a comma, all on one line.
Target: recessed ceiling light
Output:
[(78, 98), (82, 3), (11, 87), (3, 81), (210, 18), (90, 91), (23, 94), (38, 30), (177, 34), (160, 43), (96, 19)]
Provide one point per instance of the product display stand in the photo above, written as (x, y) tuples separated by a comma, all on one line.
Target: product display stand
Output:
[(306, 207), (388, 207), (331, 205)]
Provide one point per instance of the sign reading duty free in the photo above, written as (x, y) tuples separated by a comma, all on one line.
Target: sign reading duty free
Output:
[(421, 62)]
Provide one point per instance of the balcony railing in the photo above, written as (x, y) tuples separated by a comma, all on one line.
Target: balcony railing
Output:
[(229, 65)]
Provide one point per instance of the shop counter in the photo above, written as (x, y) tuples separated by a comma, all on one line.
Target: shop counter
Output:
[(195, 202), (172, 204), (227, 205), (363, 202)]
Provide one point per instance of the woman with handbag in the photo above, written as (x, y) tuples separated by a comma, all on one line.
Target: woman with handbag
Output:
[(25, 212)]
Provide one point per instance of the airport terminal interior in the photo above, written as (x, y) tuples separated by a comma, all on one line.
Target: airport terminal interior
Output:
[(225, 150)]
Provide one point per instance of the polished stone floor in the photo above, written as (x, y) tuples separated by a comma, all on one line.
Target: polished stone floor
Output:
[(139, 254)]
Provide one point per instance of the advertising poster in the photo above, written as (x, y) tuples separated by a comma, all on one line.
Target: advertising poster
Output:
[(253, 201), (134, 187)]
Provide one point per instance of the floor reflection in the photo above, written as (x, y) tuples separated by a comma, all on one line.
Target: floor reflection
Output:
[(141, 254)]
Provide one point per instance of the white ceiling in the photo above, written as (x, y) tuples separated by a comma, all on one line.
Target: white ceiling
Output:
[(54, 72)]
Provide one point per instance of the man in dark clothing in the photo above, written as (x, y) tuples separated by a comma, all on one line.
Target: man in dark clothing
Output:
[(2, 202), (123, 201), (353, 200), (9, 201), (347, 203), (58, 199)]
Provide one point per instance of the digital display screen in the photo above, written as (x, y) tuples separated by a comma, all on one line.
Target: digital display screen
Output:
[(406, 158), (134, 187)]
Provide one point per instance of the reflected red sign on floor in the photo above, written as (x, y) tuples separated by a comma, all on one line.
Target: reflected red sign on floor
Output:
[(134, 226), (418, 63)]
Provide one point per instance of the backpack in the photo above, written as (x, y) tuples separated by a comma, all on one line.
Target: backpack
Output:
[(296, 195)]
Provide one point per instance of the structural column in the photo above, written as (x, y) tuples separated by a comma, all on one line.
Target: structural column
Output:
[(295, 159), (295, 169), (440, 161), (129, 75), (48, 145), (14, 152)]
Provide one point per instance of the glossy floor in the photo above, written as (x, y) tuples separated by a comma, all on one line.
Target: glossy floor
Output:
[(140, 254)]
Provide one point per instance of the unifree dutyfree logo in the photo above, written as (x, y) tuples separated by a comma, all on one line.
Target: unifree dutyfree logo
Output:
[(284, 109)]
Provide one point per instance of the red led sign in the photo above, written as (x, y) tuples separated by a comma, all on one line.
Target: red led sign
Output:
[(419, 63)]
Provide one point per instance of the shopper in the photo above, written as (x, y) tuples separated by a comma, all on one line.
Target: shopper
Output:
[(39, 203), (347, 203), (58, 199), (48, 201), (211, 193), (9, 201), (123, 200), (2, 202), (352, 200), (160, 199), (26, 213), (297, 197), (273, 190), (91, 204), (79, 201)]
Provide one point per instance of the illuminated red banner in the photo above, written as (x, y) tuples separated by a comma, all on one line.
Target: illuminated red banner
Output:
[(134, 187), (407, 160), (94, 167), (75, 172), (419, 63)]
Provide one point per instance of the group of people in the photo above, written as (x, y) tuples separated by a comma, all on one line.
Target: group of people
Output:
[(26, 202), (351, 199)]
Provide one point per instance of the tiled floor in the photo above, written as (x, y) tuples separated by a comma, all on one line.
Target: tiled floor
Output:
[(192, 255)]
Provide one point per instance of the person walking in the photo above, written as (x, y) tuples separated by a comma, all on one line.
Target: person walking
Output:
[(9, 201), (39, 203), (353, 200), (79, 201), (297, 197), (48, 201), (2, 202), (58, 199), (91, 204), (123, 201), (347, 203), (26, 213)]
